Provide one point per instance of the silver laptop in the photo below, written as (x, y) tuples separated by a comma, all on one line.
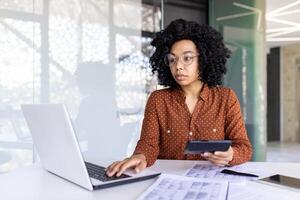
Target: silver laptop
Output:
[(54, 137)]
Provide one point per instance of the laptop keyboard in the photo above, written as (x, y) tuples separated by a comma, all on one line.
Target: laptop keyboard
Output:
[(99, 173)]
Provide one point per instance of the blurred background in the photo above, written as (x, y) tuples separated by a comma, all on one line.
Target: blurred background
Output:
[(93, 56)]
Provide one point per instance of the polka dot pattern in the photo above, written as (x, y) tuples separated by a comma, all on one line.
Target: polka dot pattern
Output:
[(168, 124)]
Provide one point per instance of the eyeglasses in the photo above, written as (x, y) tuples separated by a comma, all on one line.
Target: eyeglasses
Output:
[(186, 59)]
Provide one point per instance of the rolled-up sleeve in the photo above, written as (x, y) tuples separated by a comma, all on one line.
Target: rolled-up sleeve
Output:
[(235, 130), (148, 143)]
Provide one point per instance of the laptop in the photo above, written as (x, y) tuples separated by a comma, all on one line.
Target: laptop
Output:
[(59, 151)]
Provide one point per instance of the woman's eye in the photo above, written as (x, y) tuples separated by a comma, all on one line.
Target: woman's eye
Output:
[(187, 58), (172, 60)]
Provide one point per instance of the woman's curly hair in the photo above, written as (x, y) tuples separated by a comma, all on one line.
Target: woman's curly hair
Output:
[(209, 42)]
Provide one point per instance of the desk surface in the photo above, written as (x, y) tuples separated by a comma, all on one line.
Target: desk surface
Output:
[(34, 183)]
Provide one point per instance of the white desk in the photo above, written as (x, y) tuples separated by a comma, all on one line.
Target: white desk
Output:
[(34, 183)]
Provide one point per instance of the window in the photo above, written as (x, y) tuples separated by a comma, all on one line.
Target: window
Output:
[(91, 56)]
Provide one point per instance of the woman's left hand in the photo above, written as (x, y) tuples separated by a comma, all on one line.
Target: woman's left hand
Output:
[(220, 158)]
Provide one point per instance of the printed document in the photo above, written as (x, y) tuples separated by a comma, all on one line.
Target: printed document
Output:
[(185, 188), (213, 171)]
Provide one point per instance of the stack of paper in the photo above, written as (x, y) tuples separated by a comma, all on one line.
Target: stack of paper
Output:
[(212, 171), (183, 188), (205, 181)]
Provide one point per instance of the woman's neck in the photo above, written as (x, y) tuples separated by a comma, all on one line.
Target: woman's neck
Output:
[(192, 90)]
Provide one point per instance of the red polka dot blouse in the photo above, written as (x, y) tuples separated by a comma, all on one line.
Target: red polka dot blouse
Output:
[(168, 124)]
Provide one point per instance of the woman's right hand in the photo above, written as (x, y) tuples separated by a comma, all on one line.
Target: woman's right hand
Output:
[(137, 161)]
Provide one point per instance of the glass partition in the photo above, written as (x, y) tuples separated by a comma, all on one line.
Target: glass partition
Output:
[(91, 56), (242, 24)]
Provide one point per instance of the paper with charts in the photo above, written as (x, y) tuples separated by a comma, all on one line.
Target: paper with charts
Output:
[(213, 171), (185, 188)]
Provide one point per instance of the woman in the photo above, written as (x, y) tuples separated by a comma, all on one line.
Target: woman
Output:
[(190, 60)]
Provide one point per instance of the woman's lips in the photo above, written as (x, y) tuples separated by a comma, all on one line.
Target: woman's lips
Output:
[(180, 77)]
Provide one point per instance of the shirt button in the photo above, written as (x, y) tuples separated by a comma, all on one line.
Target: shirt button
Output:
[(168, 131), (190, 133), (214, 130)]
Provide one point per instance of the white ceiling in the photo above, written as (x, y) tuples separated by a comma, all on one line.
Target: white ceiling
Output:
[(283, 22)]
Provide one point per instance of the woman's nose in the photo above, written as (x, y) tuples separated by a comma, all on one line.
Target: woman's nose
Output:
[(179, 66)]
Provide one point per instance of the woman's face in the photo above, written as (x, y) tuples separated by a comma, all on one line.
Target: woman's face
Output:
[(183, 62)]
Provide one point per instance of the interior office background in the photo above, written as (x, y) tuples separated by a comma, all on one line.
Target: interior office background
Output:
[(93, 56)]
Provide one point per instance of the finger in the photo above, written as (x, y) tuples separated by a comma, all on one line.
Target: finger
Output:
[(206, 154), (110, 167), (115, 169), (142, 165), (220, 163), (229, 152), (126, 165), (223, 154), (216, 158)]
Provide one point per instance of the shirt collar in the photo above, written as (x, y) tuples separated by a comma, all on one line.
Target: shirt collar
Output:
[(204, 93)]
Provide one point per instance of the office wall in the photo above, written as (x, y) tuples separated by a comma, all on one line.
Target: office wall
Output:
[(89, 55), (290, 94), (243, 27), (298, 97), (188, 10)]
